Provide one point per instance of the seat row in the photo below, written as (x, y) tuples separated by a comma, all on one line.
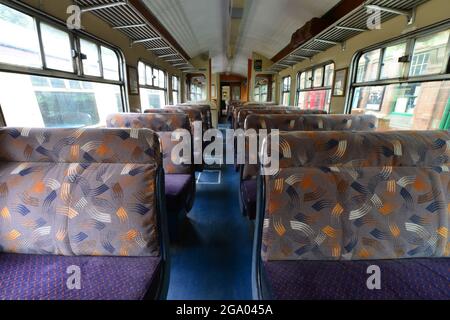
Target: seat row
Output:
[(289, 122), (354, 215), (102, 203), (239, 112), (82, 209)]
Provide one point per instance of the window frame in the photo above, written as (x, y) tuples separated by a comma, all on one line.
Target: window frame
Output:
[(177, 89), (152, 86), (153, 68), (198, 91), (283, 91), (41, 45), (261, 93), (40, 17), (311, 80), (410, 39)]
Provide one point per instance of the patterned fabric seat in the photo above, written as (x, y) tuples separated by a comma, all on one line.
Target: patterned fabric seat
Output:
[(232, 106), (410, 279), (88, 197), (203, 108), (343, 200), (196, 115), (293, 122), (180, 178), (44, 277), (242, 113), (245, 112), (237, 109)]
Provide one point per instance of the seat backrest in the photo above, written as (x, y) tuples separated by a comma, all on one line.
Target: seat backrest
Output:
[(194, 115), (164, 124), (307, 122), (233, 105), (159, 122), (304, 122), (259, 104), (168, 110), (357, 196), (243, 113), (80, 192), (237, 109), (205, 111), (164, 110)]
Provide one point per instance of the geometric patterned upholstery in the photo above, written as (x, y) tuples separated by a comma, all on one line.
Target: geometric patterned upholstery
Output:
[(204, 109), (293, 122), (346, 280), (195, 116), (244, 113), (44, 277), (164, 124), (206, 118), (231, 107), (358, 196), (79, 192), (236, 110)]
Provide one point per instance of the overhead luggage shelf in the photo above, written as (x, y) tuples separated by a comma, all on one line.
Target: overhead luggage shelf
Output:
[(347, 27), (125, 17)]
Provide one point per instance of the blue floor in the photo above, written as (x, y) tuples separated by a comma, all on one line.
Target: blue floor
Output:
[(212, 260)]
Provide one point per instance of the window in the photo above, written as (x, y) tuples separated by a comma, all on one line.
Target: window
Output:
[(153, 87), (286, 91), (263, 88), (368, 66), (60, 90), (419, 64), (197, 89), (110, 64), (152, 99), (53, 102), (430, 54), (390, 67), (386, 82), (19, 41), (175, 90), (235, 92), (57, 48), (261, 92), (91, 58), (314, 87)]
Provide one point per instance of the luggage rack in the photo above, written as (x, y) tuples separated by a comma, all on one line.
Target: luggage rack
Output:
[(347, 27), (129, 17)]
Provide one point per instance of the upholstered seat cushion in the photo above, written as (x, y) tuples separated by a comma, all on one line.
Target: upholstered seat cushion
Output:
[(321, 280), (44, 277), (178, 189), (248, 190)]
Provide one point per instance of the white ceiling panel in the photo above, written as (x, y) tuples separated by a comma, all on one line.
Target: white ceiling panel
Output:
[(201, 26)]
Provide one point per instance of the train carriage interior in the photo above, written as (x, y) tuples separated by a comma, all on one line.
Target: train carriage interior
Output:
[(224, 150)]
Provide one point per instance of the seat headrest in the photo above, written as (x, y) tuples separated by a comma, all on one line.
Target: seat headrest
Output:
[(85, 145), (368, 149), (358, 196), (295, 122), (159, 122)]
